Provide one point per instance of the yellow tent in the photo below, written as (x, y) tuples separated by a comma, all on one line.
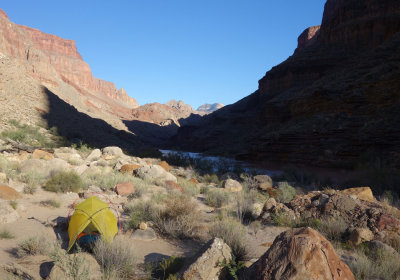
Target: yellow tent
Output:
[(92, 215)]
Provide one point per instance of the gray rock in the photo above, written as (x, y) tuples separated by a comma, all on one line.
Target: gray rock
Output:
[(378, 245), (206, 263), (153, 173), (263, 182), (270, 203), (232, 185), (34, 165), (112, 151), (94, 155), (144, 235), (80, 169)]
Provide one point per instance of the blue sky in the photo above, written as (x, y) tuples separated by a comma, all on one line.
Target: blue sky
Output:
[(196, 51)]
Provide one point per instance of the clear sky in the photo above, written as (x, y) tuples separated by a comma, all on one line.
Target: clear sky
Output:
[(197, 51)]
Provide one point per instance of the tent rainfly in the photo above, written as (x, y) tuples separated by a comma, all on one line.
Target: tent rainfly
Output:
[(92, 215)]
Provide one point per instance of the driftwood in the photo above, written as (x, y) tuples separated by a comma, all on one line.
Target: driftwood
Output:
[(23, 147)]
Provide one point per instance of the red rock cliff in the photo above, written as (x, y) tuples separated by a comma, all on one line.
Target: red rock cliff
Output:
[(43, 50)]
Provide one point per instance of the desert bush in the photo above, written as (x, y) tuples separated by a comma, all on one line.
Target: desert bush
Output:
[(248, 181), (374, 264), (141, 211), (210, 179), (233, 267), (13, 204), (233, 233), (168, 267), (83, 149), (73, 266), (107, 181), (50, 203), (117, 259), (205, 189), (177, 159), (217, 198), (244, 204), (179, 218), (10, 168), (31, 135), (283, 219), (286, 192), (33, 180), (333, 229), (64, 182), (188, 187), (32, 246), (6, 234)]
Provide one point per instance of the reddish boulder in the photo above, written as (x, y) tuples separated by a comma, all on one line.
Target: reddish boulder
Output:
[(388, 222), (8, 193), (298, 254), (129, 168), (173, 186), (39, 154), (124, 189), (165, 165), (193, 181)]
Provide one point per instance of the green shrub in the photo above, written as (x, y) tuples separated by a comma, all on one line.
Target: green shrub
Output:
[(233, 233), (64, 182), (168, 267), (211, 179), (233, 267), (217, 198), (141, 211), (283, 219), (13, 204), (32, 246), (286, 192), (5, 234)]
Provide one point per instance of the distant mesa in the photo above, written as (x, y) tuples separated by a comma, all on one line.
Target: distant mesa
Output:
[(209, 108)]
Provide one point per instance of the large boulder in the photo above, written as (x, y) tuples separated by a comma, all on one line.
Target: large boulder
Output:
[(129, 168), (154, 173), (264, 182), (232, 185), (124, 189), (94, 155), (299, 254), (8, 193), (359, 235), (363, 193), (206, 264), (112, 151), (39, 154)]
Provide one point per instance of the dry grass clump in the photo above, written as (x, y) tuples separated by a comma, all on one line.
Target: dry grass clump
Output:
[(10, 168), (374, 264), (179, 217), (117, 259), (217, 198), (107, 181), (32, 246), (72, 266), (233, 233), (244, 202), (50, 203), (64, 182), (33, 180), (6, 234), (188, 187), (140, 211)]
